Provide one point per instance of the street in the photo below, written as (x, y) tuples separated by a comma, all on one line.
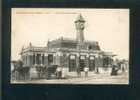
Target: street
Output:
[(91, 79)]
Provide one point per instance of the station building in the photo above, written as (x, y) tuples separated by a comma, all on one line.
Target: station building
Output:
[(68, 53)]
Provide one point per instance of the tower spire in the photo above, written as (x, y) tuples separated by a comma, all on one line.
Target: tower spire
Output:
[(79, 18)]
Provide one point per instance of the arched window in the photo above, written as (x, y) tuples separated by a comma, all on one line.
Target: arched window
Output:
[(72, 63)]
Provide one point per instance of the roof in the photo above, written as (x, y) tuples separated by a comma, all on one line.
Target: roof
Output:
[(33, 48), (72, 44), (62, 39), (62, 42), (108, 54)]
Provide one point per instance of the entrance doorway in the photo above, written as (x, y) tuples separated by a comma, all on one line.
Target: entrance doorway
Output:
[(91, 63), (50, 59), (72, 63), (82, 62)]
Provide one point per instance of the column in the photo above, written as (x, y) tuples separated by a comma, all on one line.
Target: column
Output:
[(78, 69), (45, 59), (41, 59), (67, 60), (35, 59), (30, 58), (23, 58), (26, 60), (96, 60), (87, 60), (97, 63), (77, 61), (64, 57), (100, 60), (65, 65), (58, 58), (61, 59)]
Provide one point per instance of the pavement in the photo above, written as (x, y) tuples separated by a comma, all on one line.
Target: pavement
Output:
[(93, 78)]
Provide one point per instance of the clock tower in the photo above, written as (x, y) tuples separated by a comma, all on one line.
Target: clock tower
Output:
[(79, 23)]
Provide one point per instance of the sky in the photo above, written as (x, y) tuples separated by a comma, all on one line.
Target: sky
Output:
[(110, 27)]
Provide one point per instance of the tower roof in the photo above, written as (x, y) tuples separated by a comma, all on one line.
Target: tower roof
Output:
[(80, 18)]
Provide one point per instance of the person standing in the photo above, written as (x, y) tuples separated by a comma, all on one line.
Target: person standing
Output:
[(78, 72), (97, 70), (86, 69), (59, 72), (123, 67)]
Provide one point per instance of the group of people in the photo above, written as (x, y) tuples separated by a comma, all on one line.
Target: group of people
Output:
[(59, 72), (86, 70), (114, 71)]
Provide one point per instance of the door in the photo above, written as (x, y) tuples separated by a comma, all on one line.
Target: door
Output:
[(72, 63), (50, 59), (82, 62), (91, 63)]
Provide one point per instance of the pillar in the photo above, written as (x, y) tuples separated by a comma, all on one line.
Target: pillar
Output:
[(45, 59), (26, 60), (58, 58), (87, 60), (30, 59), (35, 59), (67, 60), (62, 59), (41, 59), (65, 69), (77, 61), (97, 69)]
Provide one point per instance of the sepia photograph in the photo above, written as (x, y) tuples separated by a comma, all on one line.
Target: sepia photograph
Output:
[(69, 46)]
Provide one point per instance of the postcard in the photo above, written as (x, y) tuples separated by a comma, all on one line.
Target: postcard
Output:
[(69, 46)]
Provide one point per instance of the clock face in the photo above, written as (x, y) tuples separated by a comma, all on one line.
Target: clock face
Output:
[(80, 25)]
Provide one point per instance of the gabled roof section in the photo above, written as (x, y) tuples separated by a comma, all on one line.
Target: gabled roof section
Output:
[(32, 48)]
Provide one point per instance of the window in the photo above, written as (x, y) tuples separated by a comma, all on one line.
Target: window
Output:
[(72, 63), (89, 47), (82, 62), (91, 63), (50, 58)]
